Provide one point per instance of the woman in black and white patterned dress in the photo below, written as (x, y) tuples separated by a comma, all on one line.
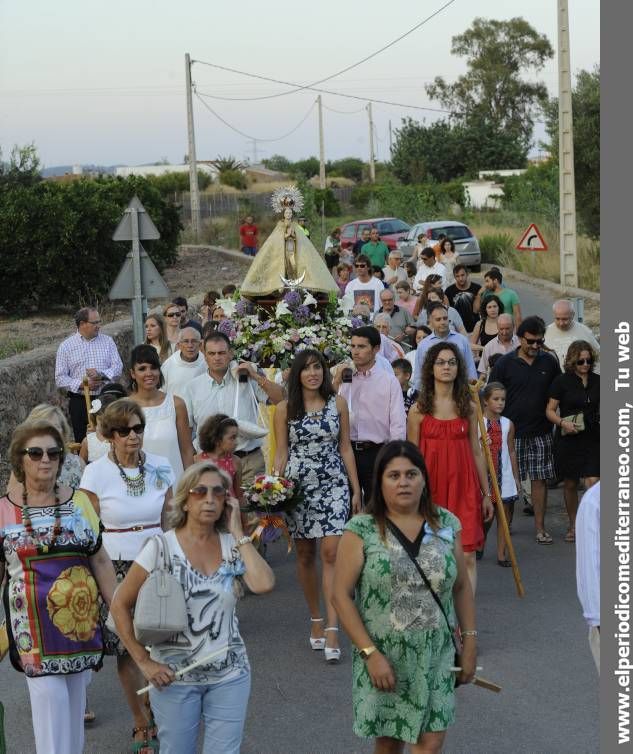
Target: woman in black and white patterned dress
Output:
[(314, 450)]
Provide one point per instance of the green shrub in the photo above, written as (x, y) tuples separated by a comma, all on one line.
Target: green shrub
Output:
[(234, 178), (173, 183), (331, 205), (56, 242), (494, 246), (11, 346)]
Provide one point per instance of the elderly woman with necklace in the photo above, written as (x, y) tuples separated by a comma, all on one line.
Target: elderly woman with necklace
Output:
[(130, 490), (51, 551)]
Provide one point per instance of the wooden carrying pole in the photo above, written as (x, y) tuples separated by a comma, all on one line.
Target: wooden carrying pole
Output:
[(502, 521), (86, 387)]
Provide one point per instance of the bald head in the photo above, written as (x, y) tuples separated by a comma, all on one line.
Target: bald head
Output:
[(563, 313), (505, 326), (189, 343)]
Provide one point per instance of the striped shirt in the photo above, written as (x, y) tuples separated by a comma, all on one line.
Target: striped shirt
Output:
[(588, 554), (76, 354)]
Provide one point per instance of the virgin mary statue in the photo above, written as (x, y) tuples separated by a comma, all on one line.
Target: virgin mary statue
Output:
[(287, 258)]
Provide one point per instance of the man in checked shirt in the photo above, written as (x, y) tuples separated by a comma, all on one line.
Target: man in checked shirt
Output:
[(89, 355)]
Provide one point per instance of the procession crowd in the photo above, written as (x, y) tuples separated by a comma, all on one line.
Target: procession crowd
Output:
[(396, 497)]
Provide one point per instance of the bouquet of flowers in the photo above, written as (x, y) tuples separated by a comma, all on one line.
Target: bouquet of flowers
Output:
[(267, 497)]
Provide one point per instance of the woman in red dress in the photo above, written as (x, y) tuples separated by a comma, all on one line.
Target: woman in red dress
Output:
[(443, 424)]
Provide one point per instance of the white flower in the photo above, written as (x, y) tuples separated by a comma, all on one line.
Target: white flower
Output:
[(282, 308), (347, 302), (95, 406), (228, 306), (309, 300)]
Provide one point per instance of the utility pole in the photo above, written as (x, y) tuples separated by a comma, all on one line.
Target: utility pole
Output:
[(372, 166), (567, 188), (321, 146), (390, 139), (194, 192), (255, 153)]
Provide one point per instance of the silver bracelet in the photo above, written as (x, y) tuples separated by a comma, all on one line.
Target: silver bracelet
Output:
[(470, 633)]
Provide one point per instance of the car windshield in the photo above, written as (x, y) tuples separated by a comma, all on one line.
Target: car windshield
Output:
[(387, 227), (454, 232)]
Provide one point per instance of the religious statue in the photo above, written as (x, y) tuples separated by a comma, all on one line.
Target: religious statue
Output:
[(287, 259)]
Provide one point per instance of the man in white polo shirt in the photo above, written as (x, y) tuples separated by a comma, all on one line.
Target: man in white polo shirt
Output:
[(185, 364)]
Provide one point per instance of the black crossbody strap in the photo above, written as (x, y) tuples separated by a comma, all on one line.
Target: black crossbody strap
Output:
[(400, 536)]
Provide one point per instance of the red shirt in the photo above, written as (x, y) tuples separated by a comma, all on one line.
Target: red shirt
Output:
[(248, 235)]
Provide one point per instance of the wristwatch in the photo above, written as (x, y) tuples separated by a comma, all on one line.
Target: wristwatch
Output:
[(366, 652)]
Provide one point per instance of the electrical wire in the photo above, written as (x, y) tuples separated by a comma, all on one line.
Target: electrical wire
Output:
[(343, 112), (248, 136), (300, 87)]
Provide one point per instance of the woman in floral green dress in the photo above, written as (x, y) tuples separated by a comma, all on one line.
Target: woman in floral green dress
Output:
[(403, 685)]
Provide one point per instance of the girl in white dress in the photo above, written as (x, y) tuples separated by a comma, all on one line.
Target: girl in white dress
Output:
[(167, 430), (94, 446)]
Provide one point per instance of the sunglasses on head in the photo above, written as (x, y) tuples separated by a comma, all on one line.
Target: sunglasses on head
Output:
[(36, 454), (218, 492), (534, 341), (582, 362), (125, 431)]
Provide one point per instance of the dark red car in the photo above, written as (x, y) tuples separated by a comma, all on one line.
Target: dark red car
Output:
[(391, 231)]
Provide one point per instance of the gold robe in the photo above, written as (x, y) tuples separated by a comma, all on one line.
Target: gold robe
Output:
[(269, 265)]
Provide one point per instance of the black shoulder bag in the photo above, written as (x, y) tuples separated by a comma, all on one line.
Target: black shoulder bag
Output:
[(400, 537)]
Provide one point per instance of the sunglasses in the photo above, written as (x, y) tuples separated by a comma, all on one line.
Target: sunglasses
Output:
[(582, 362), (173, 314), (36, 454), (218, 492), (138, 429), (534, 341), (360, 265)]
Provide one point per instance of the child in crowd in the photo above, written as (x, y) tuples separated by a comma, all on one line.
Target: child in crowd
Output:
[(405, 300), (421, 332), (248, 237), (218, 439), (403, 371), (93, 446), (343, 275), (500, 439)]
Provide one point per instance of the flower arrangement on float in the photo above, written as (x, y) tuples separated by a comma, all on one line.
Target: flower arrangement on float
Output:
[(299, 321)]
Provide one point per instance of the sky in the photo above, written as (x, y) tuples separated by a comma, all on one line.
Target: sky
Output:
[(104, 83)]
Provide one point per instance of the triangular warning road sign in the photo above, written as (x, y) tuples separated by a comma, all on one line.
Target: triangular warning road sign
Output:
[(147, 231), (152, 284), (532, 240)]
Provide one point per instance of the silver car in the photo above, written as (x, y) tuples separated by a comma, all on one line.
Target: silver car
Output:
[(466, 245)]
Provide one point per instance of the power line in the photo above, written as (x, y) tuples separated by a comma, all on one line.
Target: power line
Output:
[(344, 112), (248, 136), (299, 87)]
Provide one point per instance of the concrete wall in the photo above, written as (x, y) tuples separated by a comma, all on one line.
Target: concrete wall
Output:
[(29, 378)]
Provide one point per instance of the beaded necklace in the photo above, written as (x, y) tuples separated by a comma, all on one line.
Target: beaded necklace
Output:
[(28, 524), (135, 485)]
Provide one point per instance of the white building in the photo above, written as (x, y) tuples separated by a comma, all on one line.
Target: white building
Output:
[(146, 170)]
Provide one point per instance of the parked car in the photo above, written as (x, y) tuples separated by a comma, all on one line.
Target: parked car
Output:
[(466, 245), (391, 229)]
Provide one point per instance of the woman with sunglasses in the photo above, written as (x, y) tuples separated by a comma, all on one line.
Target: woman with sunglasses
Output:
[(212, 556), (51, 552), (171, 314), (167, 431), (130, 491), (443, 424), (574, 408)]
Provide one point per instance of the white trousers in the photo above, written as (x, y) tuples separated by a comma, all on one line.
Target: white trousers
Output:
[(58, 704), (594, 643)]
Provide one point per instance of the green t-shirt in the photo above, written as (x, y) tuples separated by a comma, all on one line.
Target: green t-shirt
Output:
[(508, 298), (377, 253)]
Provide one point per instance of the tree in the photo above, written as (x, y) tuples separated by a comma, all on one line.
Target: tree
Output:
[(586, 119), (278, 163), (23, 167), (348, 167), (307, 168), (493, 91)]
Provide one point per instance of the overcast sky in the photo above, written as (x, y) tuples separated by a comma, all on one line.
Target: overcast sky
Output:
[(103, 82)]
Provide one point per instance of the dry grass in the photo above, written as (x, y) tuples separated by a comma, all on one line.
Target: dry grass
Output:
[(547, 263)]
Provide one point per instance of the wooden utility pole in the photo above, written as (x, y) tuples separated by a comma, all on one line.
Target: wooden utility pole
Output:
[(390, 139), (194, 191), (372, 166), (567, 188), (321, 146)]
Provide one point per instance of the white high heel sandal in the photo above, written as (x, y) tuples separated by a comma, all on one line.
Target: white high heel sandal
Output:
[(317, 644), (332, 654)]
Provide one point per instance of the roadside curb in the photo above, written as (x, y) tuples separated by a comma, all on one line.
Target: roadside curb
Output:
[(556, 287)]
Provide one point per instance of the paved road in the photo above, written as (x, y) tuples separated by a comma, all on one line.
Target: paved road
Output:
[(536, 648)]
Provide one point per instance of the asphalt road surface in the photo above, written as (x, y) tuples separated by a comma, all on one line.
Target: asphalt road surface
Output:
[(535, 648)]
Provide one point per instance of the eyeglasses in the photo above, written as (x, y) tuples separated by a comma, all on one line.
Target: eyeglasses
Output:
[(36, 454), (534, 341), (360, 265), (138, 429), (446, 362), (582, 362), (173, 314), (93, 321), (218, 492)]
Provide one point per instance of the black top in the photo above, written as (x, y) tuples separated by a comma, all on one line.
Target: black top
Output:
[(463, 302), (358, 245), (527, 390), (574, 397)]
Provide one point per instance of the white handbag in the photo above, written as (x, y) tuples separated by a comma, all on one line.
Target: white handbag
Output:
[(160, 609)]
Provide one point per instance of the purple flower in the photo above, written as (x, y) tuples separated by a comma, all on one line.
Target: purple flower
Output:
[(244, 307), (302, 314), (293, 299), (357, 322)]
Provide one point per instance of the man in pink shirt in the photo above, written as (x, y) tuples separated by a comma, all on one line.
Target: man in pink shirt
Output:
[(374, 400)]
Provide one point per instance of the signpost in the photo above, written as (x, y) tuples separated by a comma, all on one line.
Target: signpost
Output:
[(532, 240), (138, 278)]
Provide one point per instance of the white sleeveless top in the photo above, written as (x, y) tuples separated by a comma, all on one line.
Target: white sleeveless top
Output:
[(96, 447), (161, 435)]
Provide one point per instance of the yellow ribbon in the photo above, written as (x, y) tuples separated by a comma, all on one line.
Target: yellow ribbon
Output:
[(276, 522)]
